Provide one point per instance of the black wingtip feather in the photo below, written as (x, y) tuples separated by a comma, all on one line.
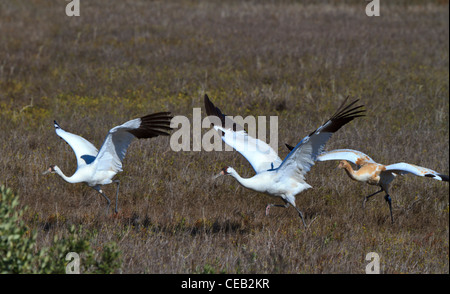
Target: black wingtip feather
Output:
[(344, 115), (289, 147), (212, 110), (153, 125)]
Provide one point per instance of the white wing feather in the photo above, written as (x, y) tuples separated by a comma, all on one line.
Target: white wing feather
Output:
[(84, 151), (354, 156), (406, 168), (300, 160), (258, 153), (115, 146)]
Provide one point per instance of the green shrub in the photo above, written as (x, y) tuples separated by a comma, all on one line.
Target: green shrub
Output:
[(19, 253), (17, 244)]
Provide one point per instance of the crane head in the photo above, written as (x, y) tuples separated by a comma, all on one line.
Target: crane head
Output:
[(342, 164), (224, 171), (51, 169)]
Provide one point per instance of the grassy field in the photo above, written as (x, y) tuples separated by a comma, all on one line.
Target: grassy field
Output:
[(125, 59)]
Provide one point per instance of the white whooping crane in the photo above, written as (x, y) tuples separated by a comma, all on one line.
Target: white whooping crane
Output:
[(276, 177), (98, 167), (374, 173)]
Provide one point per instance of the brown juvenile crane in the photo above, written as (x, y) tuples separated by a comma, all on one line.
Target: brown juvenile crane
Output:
[(374, 173)]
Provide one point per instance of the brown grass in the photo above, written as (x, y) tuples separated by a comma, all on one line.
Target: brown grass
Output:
[(130, 58)]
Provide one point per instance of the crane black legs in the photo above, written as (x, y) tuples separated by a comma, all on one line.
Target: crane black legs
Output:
[(386, 197), (367, 198), (99, 190), (117, 194), (286, 206), (301, 216), (276, 205), (389, 201)]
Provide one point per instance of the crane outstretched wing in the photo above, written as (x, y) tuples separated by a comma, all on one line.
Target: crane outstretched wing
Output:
[(354, 156), (258, 153), (407, 168), (116, 143), (301, 158), (84, 151)]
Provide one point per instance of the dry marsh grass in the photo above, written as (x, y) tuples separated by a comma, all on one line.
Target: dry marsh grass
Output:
[(297, 61)]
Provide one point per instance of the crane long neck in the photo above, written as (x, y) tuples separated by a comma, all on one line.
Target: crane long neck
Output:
[(65, 178), (247, 183), (349, 170)]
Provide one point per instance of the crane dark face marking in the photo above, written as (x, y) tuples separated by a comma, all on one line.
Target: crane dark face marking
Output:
[(224, 171)]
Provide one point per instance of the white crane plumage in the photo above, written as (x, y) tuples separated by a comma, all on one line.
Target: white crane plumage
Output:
[(276, 177), (374, 173), (98, 167)]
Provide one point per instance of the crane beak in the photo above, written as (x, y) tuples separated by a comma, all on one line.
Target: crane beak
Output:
[(218, 175), (47, 171)]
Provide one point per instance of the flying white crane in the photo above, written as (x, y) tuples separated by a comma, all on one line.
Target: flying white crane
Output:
[(276, 177), (374, 173), (96, 168)]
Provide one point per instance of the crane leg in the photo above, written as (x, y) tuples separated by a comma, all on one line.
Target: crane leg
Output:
[(389, 201), (97, 188), (117, 194), (276, 205), (301, 216), (367, 198), (286, 206)]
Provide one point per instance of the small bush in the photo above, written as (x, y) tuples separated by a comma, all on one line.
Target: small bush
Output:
[(19, 253)]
